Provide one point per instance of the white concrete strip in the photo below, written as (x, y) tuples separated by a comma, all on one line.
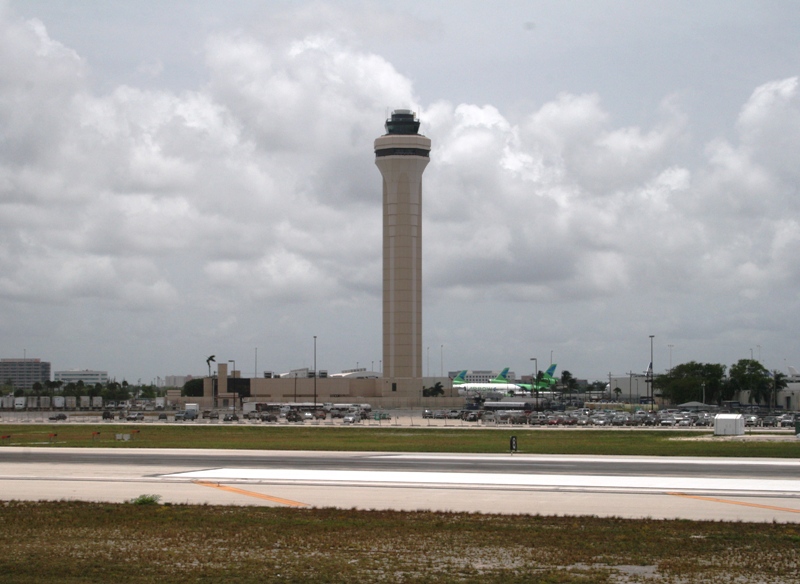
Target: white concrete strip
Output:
[(451, 479), (534, 458)]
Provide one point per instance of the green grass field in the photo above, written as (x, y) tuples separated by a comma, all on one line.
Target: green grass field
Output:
[(146, 542), (73, 542), (535, 441)]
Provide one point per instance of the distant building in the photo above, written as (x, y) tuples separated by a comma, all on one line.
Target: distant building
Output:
[(177, 380), (23, 373), (633, 388), (88, 376)]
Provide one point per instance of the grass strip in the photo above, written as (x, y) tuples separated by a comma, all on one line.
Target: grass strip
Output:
[(532, 441), (74, 542)]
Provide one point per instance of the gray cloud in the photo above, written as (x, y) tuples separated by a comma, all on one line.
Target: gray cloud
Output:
[(245, 211)]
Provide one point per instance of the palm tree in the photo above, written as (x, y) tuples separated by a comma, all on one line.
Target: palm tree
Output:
[(208, 362)]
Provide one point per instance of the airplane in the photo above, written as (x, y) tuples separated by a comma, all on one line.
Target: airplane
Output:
[(502, 377), (545, 383), (499, 385), (460, 379), (501, 389)]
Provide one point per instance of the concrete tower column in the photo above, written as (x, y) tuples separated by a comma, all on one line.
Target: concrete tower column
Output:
[(402, 155)]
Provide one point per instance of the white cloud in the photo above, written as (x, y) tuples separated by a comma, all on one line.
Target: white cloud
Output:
[(256, 193)]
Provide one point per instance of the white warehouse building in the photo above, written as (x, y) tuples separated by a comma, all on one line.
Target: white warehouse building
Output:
[(88, 376)]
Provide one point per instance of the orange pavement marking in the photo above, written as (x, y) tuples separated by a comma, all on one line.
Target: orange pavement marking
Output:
[(729, 502), (252, 494)]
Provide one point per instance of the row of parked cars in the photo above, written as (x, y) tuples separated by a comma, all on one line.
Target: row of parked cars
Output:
[(587, 417)]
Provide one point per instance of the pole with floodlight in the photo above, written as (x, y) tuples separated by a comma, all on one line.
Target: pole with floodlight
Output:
[(233, 383), (315, 373)]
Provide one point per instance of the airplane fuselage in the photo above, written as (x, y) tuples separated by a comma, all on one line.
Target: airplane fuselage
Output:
[(480, 388)]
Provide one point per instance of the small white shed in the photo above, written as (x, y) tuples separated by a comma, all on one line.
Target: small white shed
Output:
[(729, 425)]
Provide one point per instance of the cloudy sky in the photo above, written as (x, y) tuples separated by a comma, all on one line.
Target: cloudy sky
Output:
[(187, 178)]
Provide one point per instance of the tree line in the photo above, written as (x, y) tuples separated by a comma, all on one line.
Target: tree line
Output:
[(111, 391), (707, 382)]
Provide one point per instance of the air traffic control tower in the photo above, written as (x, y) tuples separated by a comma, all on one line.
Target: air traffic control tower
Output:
[(402, 155)]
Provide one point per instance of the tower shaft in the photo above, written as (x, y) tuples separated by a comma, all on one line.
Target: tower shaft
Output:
[(401, 159)]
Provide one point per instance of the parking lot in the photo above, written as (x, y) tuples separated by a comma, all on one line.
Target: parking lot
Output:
[(444, 418)]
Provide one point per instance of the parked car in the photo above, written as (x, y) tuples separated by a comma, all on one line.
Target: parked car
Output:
[(58, 417), (267, 417), (351, 419), (752, 420), (108, 415), (293, 416), (427, 413), (162, 416), (770, 421), (137, 417), (230, 418)]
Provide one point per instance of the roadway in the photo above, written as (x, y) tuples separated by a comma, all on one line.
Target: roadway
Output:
[(658, 487)]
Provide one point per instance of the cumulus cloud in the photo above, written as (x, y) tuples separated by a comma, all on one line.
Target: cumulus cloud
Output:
[(259, 189)]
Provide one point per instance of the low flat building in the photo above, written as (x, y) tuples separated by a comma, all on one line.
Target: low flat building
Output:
[(221, 390), (88, 376)]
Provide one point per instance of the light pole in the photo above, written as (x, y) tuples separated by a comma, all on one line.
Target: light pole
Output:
[(535, 379), (651, 369), (670, 358), (441, 360), (233, 382), (315, 373)]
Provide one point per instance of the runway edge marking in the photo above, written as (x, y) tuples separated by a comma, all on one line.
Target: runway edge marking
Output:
[(287, 502), (730, 502)]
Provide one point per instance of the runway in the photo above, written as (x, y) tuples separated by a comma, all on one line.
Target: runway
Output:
[(635, 487)]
